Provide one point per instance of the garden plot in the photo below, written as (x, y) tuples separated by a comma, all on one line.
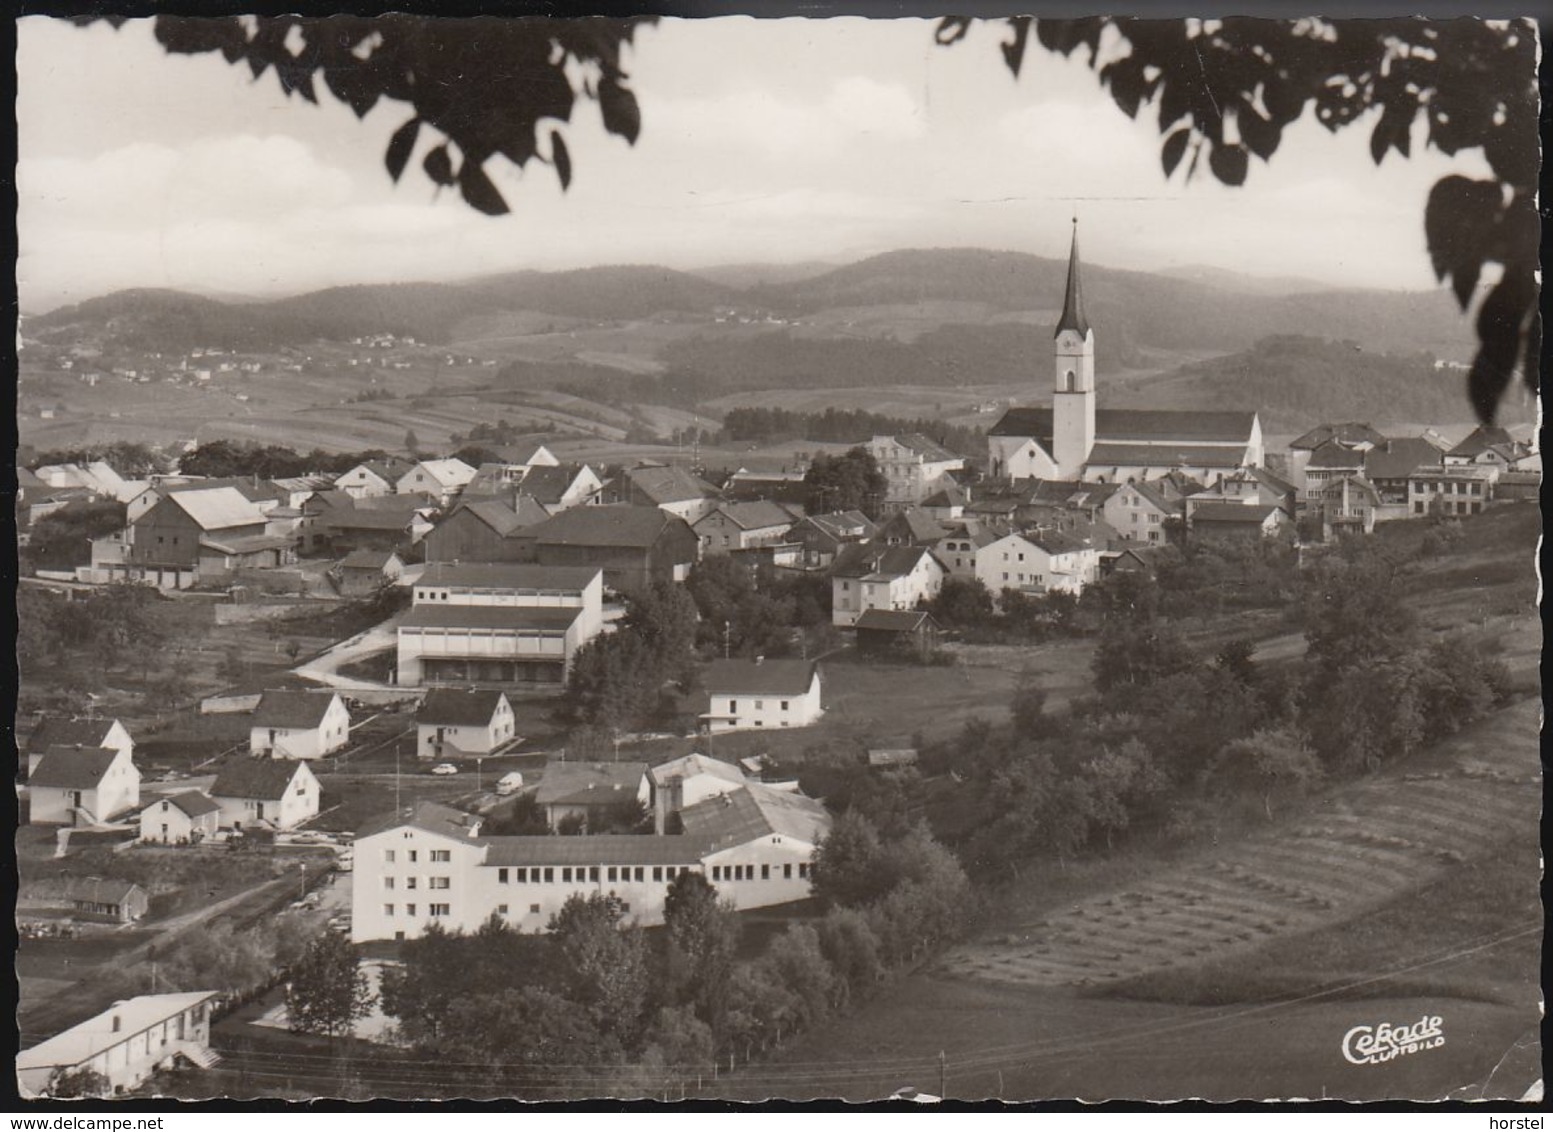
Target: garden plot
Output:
[(1355, 849)]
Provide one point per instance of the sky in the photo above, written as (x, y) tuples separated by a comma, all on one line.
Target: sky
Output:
[(762, 141)]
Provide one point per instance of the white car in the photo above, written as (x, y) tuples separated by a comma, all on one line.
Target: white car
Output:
[(510, 783), (444, 768)]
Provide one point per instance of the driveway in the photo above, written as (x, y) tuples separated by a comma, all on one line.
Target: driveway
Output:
[(324, 667)]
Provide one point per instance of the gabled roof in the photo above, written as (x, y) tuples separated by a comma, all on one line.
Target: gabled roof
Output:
[(893, 620), (930, 450), (669, 484), (292, 707), (583, 784), (450, 472), (1335, 454), (692, 765), (459, 707), (735, 677), (1069, 493), (430, 817), (1154, 497), (1394, 458), (617, 524), (1073, 295), (978, 534), (1058, 542), (950, 495), (388, 470), (1032, 422), (548, 483), (1105, 454), (69, 733), (101, 890), (1483, 438), (218, 508), (364, 559), (514, 576), (265, 780), (246, 544), (1355, 483), (917, 525), (755, 515), (861, 560), (1234, 513), (1140, 425), (114, 1026), (513, 617), (754, 812), (1273, 482), (845, 524), (194, 803), (72, 768), (1348, 434), (369, 519)]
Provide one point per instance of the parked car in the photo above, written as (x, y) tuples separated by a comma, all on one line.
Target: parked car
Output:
[(444, 768), (340, 924), (510, 783)]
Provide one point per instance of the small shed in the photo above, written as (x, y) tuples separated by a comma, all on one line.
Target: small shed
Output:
[(117, 901), (363, 571), (897, 632)]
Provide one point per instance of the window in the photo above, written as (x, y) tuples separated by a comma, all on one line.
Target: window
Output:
[(533, 909), (388, 884), (765, 872), (388, 856), (611, 873), (640, 873), (760, 705), (657, 872), (409, 882), (501, 909), (803, 870), (439, 882), (733, 706), (593, 873), (441, 856), (412, 856), (501, 876), (549, 876), (717, 872), (522, 877), (787, 871), (438, 909), (409, 909), (566, 876), (388, 909), (784, 705)]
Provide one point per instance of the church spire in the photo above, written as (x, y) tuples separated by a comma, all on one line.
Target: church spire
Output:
[(1073, 301)]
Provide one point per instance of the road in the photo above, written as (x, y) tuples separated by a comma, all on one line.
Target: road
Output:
[(324, 667)]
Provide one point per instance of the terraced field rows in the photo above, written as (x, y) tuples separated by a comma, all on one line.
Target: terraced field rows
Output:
[(1368, 844)]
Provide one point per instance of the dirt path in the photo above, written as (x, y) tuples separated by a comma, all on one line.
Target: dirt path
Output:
[(1356, 848), (324, 667)]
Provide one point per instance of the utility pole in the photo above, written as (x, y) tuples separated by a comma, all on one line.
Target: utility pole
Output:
[(727, 636), (942, 1072)]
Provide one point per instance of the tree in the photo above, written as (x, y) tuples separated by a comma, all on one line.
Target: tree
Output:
[(80, 1082), (676, 1044), (703, 938), (1270, 761), (412, 443), (62, 539), (1136, 653), (328, 992), (852, 950), (848, 867), (1227, 89), (849, 482), (606, 963), (962, 603), (798, 964)]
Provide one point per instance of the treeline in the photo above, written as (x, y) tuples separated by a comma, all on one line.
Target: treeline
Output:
[(1174, 738), (844, 426)]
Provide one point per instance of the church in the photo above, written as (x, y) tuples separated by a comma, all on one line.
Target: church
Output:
[(1073, 440)]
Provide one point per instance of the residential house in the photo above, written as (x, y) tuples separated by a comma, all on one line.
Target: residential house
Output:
[(1038, 562), (291, 723), (1248, 486), (1355, 435), (754, 844), (527, 454), (1389, 464), (1454, 490), (560, 487), (1328, 461), (362, 573), (482, 530), (733, 527), (823, 536), (263, 494), (1141, 512), (56, 732), (1347, 505), (882, 577), (373, 478), (125, 1044), (947, 503), (632, 545), (81, 785), (106, 899), (187, 535), (442, 479), (342, 530), (498, 623), (1238, 522), (453, 722), (265, 793), (180, 819), (897, 633), (761, 693), (592, 793), (957, 551), (492, 479), (686, 781), (673, 489), (786, 487), (914, 467), (910, 526), (295, 490), (1489, 446)]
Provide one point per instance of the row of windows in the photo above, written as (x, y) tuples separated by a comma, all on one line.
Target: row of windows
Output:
[(410, 882), (581, 874), (438, 910), (437, 856), (760, 705), (747, 872), (1472, 487)]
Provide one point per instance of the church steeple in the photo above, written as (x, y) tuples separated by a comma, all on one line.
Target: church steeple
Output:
[(1073, 301)]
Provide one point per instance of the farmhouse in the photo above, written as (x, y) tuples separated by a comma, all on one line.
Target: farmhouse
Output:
[(871, 576), (1075, 440), (462, 721), (345, 529), (270, 793), (560, 487), (740, 526), (373, 478), (442, 479), (632, 545), (186, 533), (670, 488), (590, 792), (364, 572), (81, 785), (754, 844), (823, 536), (295, 724), (481, 530), (743, 694), (1237, 522), (125, 1044), (180, 819), (116, 901), (914, 468)]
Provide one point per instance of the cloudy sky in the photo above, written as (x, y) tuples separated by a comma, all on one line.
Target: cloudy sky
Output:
[(768, 141)]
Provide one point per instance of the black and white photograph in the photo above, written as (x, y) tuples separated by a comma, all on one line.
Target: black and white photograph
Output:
[(709, 560)]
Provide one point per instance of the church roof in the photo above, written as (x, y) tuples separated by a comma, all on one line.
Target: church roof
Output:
[(1073, 298), (1107, 455), (1137, 425)]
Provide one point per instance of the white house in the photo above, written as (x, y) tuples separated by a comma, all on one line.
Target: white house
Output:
[(180, 819), (1139, 512), (55, 732), (872, 576), (442, 479), (914, 467), (462, 721), (1038, 562), (373, 478), (687, 780), (81, 786), (755, 845), (295, 724), (271, 793), (589, 791), (762, 693), (125, 1044), (740, 526)]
